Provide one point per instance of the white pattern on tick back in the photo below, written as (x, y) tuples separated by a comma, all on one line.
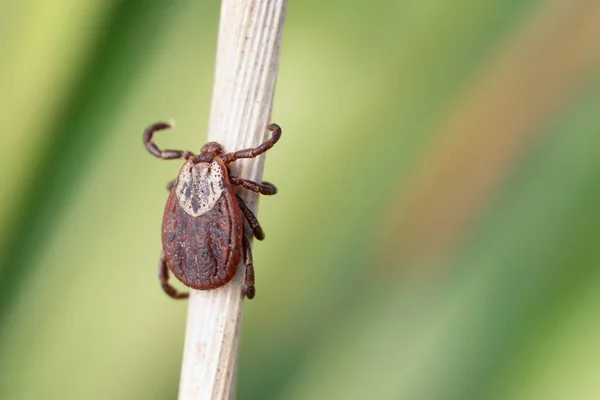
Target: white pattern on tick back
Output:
[(199, 188)]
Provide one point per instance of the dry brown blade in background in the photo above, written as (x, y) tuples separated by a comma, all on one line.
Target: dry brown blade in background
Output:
[(535, 73)]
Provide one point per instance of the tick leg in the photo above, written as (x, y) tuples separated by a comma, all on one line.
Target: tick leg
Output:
[(265, 188), (170, 184), (251, 218), (249, 290), (163, 275), (153, 148), (256, 151)]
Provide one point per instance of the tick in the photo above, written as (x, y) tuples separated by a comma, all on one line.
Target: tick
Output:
[(203, 236)]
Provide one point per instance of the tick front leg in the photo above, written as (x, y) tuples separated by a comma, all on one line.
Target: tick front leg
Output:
[(249, 290), (265, 188), (163, 276), (155, 151), (251, 218), (256, 151)]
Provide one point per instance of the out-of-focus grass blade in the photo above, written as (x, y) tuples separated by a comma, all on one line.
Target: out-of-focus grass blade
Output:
[(353, 123), (99, 315), (122, 49), (559, 360), (43, 47), (509, 102), (453, 340)]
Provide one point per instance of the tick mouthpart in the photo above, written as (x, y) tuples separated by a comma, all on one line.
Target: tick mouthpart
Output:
[(212, 148)]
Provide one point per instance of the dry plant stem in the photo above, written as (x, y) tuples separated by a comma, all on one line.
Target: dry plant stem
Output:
[(250, 34)]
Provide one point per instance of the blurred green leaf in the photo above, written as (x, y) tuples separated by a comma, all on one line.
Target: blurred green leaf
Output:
[(123, 47)]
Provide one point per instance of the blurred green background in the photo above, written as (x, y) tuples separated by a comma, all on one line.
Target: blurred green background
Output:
[(435, 235)]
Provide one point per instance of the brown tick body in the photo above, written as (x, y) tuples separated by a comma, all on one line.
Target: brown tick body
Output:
[(203, 224)]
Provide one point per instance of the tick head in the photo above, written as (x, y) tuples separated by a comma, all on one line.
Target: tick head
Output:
[(212, 148)]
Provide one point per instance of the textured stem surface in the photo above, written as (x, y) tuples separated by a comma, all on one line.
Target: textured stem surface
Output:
[(250, 34)]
